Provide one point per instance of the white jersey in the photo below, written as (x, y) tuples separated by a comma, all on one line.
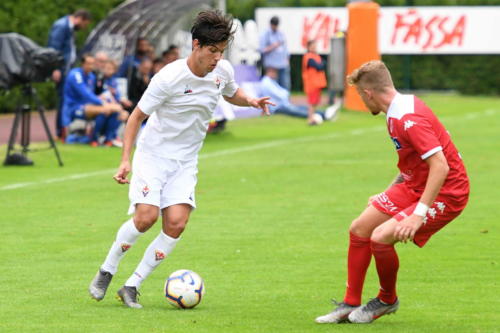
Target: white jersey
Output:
[(180, 105)]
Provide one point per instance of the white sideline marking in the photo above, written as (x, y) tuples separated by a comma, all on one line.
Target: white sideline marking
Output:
[(231, 151)]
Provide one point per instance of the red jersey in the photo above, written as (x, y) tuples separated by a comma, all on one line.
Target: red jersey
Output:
[(417, 134)]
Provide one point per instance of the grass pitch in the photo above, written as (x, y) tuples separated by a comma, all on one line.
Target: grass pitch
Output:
[(275, 199)]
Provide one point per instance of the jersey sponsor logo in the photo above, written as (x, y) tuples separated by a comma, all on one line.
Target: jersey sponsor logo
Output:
[(187, 89), (145, 190), (409, 124), (396, 143), (407, 175), (125, 247), (159, 255)]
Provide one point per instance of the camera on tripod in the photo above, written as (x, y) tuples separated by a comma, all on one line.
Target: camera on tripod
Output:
[(23, 62)]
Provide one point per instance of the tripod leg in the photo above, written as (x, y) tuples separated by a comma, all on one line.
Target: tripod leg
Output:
[(47, 130), (25, 128), (13, 132)]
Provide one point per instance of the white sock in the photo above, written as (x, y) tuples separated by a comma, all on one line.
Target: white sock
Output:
[(125, 238), (158, 250)]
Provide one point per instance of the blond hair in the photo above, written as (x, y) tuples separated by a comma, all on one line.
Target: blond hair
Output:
[(371, 75)]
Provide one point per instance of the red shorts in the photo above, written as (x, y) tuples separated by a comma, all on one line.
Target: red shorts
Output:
[(313, 96), (399, 201)]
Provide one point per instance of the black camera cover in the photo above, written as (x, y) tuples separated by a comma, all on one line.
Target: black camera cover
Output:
[(22, 61)]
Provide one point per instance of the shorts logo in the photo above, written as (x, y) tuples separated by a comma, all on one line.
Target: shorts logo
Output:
[(145, 190), (159, 255), (125, 247), (387, 204), (396, 143)]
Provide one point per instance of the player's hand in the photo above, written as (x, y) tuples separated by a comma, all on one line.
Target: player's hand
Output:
[(406, 229), (123, 116), (115, 107), (261, 103), (121, 174)]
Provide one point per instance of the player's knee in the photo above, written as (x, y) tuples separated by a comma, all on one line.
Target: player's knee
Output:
[(145, 218), (176, 224), (357, 228)]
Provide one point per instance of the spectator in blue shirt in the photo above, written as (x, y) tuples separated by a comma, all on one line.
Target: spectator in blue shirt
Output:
[(133, 61), (80, 101), (61, 38), (275, 54), (280, 96)]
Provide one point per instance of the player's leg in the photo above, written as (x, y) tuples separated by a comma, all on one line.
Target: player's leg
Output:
[(174, 221), (145, 216), (358, 260), (386, 260), (176, 202), (144, 194), (99, 125)]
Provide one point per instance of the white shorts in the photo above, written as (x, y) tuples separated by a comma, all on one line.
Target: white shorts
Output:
[(161, 182)]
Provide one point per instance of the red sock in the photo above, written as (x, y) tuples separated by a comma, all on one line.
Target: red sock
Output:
[(387, 263), (358, 260)]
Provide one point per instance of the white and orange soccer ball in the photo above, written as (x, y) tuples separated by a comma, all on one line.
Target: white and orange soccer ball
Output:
[(184, 289)]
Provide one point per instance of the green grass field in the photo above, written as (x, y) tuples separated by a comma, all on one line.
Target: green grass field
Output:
[(275, 199)]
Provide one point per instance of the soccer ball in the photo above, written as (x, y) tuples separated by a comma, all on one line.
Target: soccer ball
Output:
[(184, 289)]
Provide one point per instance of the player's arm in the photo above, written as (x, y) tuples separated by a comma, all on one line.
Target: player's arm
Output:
[(438, 171), (240, 98), (134, 122)]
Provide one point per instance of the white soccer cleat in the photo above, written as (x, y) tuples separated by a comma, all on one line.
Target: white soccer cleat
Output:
[(372, 310), (338, 315), (99, 285), (128, 296)]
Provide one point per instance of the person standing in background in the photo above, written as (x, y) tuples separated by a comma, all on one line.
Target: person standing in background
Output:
[(61, 38), (275, 53), (313, 78)]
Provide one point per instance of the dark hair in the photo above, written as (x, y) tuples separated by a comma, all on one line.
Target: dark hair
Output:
[(83, 13), (275, 20), (211, 27), (84, 57), (170, 49)]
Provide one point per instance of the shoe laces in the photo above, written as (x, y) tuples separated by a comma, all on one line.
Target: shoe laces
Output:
[(373, 304), (133, 293), (104, 279)]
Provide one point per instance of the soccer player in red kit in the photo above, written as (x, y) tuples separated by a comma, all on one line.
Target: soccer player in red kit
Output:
[(431, 190)]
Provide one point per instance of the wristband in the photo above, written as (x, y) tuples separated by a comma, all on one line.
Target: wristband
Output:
[(421, 209)]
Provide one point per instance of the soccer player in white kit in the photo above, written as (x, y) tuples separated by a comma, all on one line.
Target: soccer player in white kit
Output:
[(179, 102)]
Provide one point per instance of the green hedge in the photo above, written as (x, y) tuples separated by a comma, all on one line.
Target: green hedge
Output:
[(467, 74)]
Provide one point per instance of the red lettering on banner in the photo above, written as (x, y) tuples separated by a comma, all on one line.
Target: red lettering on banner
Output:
[(433, 32), (321, 28)]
